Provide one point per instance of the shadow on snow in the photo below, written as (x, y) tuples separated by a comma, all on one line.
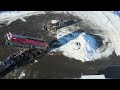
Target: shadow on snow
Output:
[(94, 40)]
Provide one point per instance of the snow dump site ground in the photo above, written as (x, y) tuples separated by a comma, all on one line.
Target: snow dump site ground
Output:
[(77, 44), (95, 39)]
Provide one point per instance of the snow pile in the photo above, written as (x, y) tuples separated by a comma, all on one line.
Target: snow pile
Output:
[(93, 77), (10, 16), (85, 49), (117, 13), (35, 61), (54, 21), (76, 44)]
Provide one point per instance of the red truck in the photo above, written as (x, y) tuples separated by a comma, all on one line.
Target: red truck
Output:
[(25, 41)]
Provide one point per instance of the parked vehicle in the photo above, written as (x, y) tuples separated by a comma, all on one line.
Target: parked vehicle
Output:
[(25, 41)]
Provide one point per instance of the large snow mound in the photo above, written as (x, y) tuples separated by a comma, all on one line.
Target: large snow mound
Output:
[(80, 46), (107, 21), (76, 44)]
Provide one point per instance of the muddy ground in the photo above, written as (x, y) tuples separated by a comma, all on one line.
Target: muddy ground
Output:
[(49, 66)]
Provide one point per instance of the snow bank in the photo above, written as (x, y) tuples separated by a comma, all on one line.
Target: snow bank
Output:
[(10, 16)]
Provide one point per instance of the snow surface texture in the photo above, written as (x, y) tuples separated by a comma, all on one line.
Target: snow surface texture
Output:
[(108, 21), (10, 16), (76, 44)]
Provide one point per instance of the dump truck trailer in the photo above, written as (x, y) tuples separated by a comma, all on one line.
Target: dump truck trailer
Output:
[(25, 41)]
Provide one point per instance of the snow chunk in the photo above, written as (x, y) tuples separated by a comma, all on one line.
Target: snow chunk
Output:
[(35, 61), (21, 75)]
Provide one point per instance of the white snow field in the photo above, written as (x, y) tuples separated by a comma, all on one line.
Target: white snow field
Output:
[(8, 17), (81, 46)]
